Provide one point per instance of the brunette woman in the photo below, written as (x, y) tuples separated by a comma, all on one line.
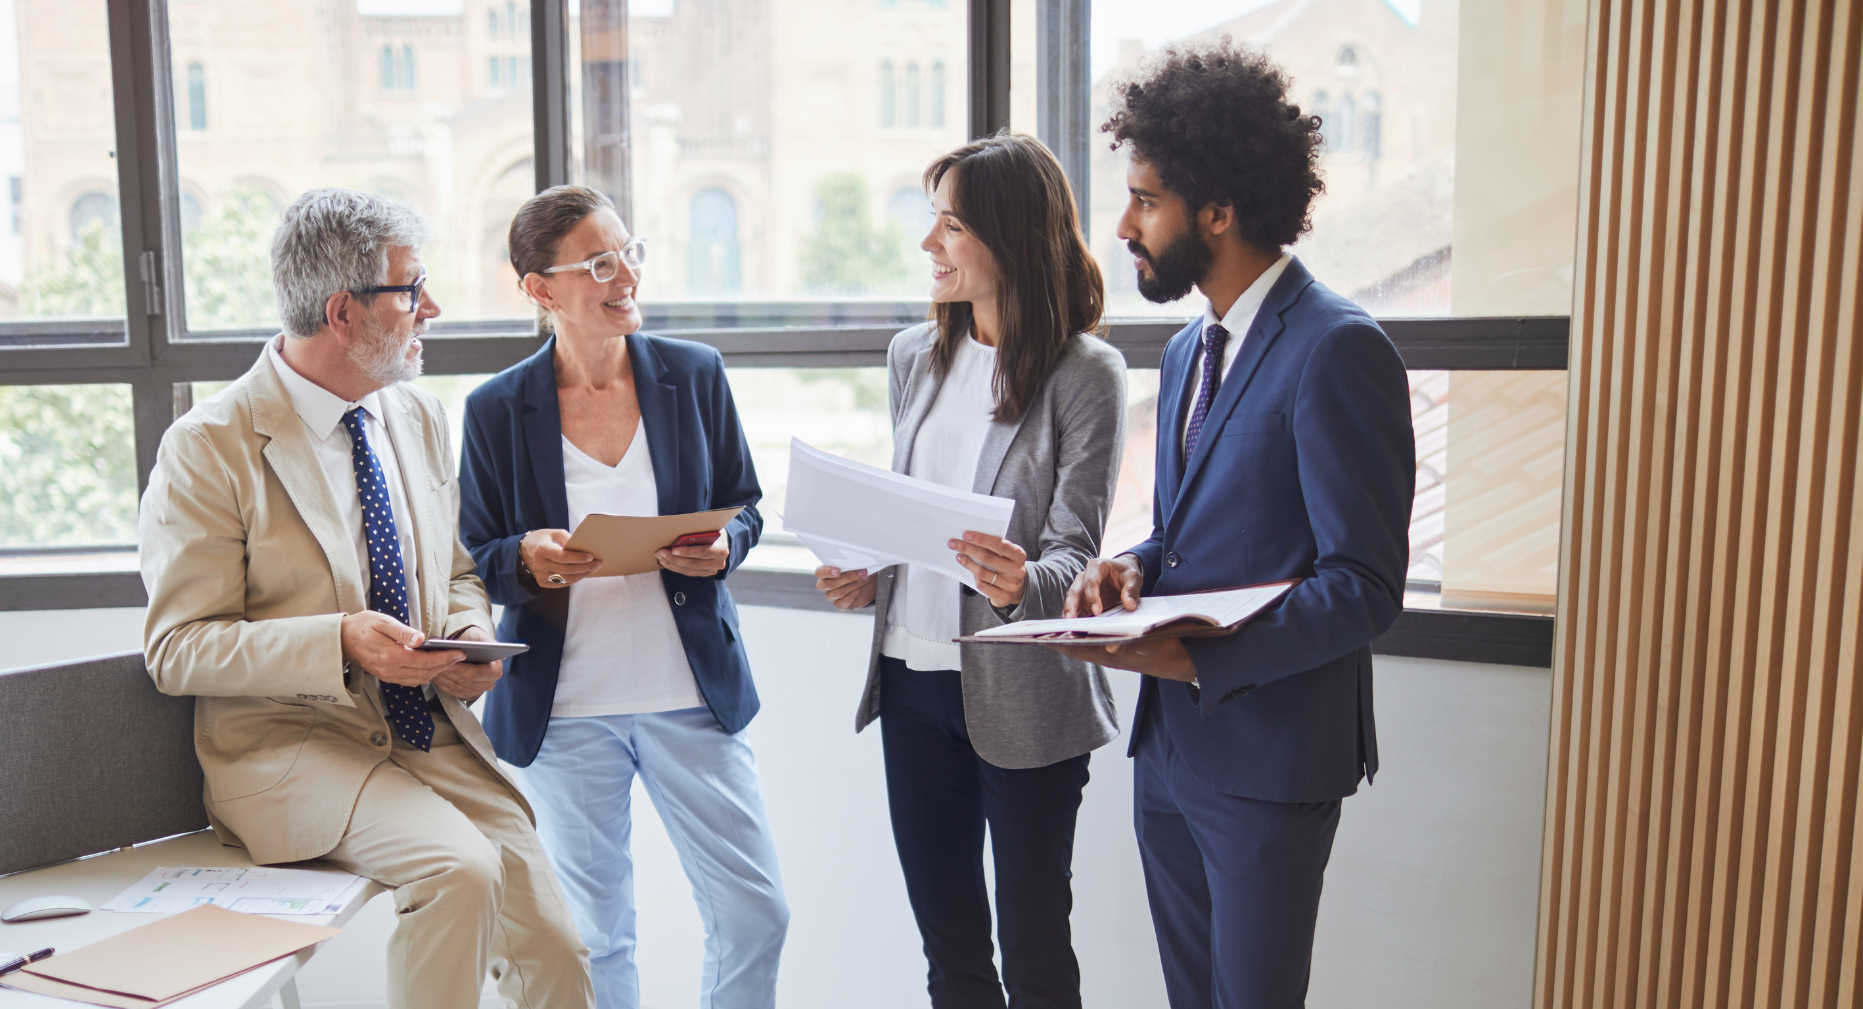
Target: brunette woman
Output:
[(1004, 392)]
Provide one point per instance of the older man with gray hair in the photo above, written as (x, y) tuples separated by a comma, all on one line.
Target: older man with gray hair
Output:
[(299, 544)]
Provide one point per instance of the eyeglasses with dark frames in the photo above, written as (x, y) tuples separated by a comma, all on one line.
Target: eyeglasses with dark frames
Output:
[(413, 291)]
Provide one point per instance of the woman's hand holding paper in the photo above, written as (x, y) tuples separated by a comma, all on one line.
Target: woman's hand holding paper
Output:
[(847, 590), (696, 561), (999, 566)]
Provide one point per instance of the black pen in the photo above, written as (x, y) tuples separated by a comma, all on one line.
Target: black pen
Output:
[(12, 965)]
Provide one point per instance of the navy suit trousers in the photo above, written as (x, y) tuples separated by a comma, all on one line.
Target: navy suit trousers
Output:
[(1234, 883), (941, 794)]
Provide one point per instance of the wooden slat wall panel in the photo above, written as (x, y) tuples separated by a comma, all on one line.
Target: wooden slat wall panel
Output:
[(1702, 834)]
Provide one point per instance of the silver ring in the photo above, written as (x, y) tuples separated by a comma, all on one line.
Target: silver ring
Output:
[(556, 578)]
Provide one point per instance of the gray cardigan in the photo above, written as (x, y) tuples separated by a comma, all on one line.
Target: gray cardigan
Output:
[(1025, 706)]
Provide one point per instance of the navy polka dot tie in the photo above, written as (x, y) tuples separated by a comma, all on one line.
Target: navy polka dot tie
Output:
[(388, 586), (1215, 339)]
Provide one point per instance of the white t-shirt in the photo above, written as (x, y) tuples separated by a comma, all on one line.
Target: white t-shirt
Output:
[(622, 654), (923, 617)]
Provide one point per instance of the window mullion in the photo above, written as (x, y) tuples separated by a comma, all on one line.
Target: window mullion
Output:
[(549, 46), (1062, 29)]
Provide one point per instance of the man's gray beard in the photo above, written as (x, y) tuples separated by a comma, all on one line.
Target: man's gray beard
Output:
[(380, 359)]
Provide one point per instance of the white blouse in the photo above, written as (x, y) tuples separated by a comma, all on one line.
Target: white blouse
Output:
[(622, 654), (923, 617)]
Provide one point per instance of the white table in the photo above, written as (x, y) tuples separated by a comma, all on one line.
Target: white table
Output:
[(101, 877)]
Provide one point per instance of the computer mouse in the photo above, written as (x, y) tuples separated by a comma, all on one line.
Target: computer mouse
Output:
[(56, 906)]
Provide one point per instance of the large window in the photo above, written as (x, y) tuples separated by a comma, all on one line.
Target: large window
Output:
[(771, 152)]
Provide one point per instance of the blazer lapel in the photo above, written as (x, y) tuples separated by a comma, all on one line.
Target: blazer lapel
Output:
[(921, 391), (659, 411), (543, 434), (288, 451), (1267, 326)]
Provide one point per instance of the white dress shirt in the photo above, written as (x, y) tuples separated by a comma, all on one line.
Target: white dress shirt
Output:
[(622, 653), (923, 617), (1238, 320), (322, 413)]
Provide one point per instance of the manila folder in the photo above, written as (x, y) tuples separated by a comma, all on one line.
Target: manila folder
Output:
[(171, 957), (625, 544)]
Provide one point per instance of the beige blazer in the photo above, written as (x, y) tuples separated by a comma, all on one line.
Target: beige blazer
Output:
[(250, 571)]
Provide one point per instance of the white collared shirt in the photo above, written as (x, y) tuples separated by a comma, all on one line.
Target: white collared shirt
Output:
[(322, 413), (1238, 320)]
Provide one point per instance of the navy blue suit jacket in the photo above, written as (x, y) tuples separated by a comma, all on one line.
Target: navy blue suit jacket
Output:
[(511, 481), (1305, 469)]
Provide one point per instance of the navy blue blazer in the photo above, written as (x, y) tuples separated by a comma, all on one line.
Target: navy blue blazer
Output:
[(1305, 469), (511, 481)]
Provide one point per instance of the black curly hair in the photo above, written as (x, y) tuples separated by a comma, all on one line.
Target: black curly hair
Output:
[(1215, 122)]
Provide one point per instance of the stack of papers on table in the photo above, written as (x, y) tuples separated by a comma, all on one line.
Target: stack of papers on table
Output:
[(154, 964), (253, 889), (853, 516), (1193, 615)]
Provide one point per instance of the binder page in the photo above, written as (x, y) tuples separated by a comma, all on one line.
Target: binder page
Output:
[(1231, 606)]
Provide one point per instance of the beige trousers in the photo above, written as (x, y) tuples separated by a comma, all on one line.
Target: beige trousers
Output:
[(471, 883)]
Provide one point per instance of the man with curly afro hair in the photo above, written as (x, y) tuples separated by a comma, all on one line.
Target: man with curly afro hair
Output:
[(1284, 454)]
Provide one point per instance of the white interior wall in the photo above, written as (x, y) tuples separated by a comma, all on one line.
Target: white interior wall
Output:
[(1430, 901)]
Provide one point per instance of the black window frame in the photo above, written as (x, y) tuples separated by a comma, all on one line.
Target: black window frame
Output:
[(152, 352)]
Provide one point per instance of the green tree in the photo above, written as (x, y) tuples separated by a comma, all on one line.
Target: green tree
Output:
[(86, 282), (67, 466), (848, 254), (228, 263)]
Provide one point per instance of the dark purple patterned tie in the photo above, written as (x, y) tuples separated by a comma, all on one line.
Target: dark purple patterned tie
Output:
[(1215, 338), (388, 590)]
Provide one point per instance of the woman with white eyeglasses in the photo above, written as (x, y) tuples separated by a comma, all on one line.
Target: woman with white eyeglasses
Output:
[(627, 675)]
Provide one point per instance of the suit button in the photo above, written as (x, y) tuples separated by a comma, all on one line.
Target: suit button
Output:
[(379, 739), (679, 599), (1171, 559)]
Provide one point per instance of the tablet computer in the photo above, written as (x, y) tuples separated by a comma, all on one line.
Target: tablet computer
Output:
[(476, 651)]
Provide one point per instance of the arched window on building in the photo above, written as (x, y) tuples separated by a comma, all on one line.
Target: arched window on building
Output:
[(712, 255), (1345, 121), (912, 96), (94, 209), (886, 94), (1348, 61), (1371, 126), (492, 73), (1323, 110), (491, 21), (197, 97), (511, 18), (937, 95), (388, 68), (407, 68)]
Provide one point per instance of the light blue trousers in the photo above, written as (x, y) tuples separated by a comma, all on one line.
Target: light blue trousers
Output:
[(703, 782)]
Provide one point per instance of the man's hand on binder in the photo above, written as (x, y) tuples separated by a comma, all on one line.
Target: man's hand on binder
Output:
[(1104, 584)]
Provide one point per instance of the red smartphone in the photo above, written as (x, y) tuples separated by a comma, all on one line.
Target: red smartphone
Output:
[(697, 539)]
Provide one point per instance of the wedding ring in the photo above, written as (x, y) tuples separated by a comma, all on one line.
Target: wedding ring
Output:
[(992, 579), (556, 578)]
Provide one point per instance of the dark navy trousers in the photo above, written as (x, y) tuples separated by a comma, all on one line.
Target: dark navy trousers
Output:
[(941, 794), (1234, 883)]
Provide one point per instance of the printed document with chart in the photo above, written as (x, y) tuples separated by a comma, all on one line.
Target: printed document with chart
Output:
[(255, 890), (852, 515)]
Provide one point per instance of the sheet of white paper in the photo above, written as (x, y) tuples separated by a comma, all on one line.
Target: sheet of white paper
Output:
[(253, 890), (858, 512), (1225, 607)]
